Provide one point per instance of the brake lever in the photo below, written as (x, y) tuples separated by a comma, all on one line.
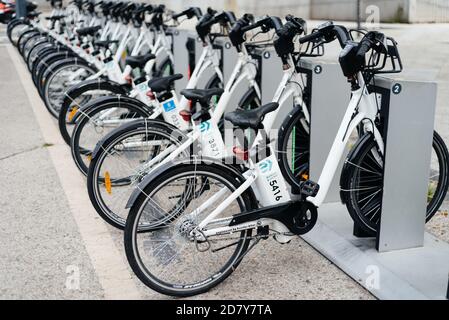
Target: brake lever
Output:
[(255, 35), (319, 44)]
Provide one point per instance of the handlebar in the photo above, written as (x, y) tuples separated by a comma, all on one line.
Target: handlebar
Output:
[(159, 9), (189, 13), (284, 45), (329, 32), (310, 37), (369, 42), (204, 25), (300, 23), (266, 24), (144, 8), (246, 24)]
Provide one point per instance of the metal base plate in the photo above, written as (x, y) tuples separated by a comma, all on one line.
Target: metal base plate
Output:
[(417, 273)]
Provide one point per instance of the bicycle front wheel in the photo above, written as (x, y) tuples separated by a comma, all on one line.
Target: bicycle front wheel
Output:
[(362, 182), (294, 145)]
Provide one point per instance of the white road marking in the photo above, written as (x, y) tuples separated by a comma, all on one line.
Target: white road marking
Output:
[(108, 262)]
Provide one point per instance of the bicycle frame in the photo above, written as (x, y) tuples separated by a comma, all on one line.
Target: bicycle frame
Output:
[(207, 132), (208, 58), (362, 109)]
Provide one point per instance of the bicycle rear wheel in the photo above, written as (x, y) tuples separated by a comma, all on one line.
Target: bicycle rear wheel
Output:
[(24, 37), (16, 30), (60, 77), (45, 62), (119, 164), (96, 122), (166, 258), (76, 97)]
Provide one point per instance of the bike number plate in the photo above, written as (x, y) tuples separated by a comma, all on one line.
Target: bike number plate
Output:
[(212, 144), (271, 186), (170, 112)]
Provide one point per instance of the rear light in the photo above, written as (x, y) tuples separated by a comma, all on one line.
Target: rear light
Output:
[(151, 95), (189, 73), (129, 79), (240, 153), (185, 115)]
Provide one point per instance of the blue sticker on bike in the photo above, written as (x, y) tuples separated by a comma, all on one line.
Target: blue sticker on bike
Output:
[(205, 126), (265, 166), (169, 106)]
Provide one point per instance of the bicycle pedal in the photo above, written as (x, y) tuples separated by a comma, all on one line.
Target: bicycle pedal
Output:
[(309, 188)]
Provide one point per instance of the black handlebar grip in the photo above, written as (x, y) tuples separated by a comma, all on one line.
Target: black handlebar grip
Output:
[(249, 27), (310, 37), (298, 22), (364, 47), (211, 11), (176, 16)]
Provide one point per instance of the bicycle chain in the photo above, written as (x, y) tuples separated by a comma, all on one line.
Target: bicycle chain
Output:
[(257, 237)]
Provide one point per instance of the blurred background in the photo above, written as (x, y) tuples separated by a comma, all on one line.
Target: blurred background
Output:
[(392, 11)]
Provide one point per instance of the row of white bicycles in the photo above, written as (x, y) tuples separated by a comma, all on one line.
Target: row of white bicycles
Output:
[(194, 179)]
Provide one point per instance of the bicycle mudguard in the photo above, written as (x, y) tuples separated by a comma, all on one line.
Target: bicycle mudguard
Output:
[(129, 127), (94, 84), (366, 138), (80, 88), (100, 101), (221, 163)]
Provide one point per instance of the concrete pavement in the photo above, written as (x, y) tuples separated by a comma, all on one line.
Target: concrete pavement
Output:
[(40, 244)]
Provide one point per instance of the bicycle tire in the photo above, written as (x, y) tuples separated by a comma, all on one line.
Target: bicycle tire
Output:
[(131, 231), (367, 217), (116, 215)]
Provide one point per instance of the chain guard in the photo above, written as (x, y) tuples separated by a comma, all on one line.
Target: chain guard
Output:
[(298, 216)]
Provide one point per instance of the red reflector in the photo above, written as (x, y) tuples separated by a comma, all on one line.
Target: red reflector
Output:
[(151, 95), (129, 79), (185, 115), (189, 73), (240, 153)]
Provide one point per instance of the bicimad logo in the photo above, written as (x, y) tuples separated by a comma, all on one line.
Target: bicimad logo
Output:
[(265, 166), (204, 126), (169, 106)]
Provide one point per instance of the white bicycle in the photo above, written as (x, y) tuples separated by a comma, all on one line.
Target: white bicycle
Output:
[(121, 160), (156, 99), (206, 215)]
